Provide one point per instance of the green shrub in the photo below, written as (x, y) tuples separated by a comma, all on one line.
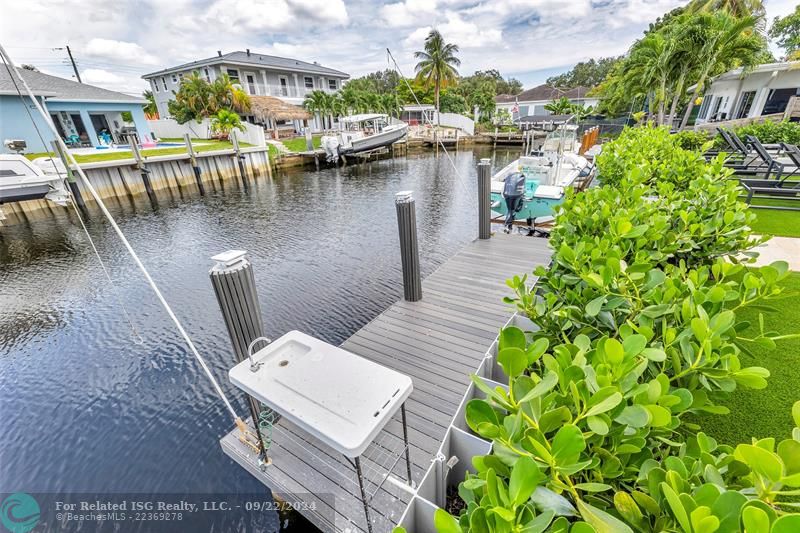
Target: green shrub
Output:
[(772, 132), (699, 140), (637, 326)]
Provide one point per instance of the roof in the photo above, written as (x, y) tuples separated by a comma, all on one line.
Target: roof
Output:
[(255, 59), (264, 107), (61, 89), (420, 107), (362, 117), (543, 93), (736, 73)]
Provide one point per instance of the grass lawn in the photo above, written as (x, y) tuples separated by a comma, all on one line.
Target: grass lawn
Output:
[(298, 144), (777, 222), (766, 412), (203, 146)]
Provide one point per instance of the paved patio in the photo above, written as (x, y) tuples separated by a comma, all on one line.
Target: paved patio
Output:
[(780, 249)]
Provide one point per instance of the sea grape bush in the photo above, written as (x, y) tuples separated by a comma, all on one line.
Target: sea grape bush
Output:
[(769, 132), (657, 158), (636, 327), (699, 140)]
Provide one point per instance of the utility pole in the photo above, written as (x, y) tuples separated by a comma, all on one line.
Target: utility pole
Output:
[(74, 67)]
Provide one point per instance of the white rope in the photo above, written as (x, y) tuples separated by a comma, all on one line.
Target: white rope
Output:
[(137, 337), (458, 174), (122, 237)]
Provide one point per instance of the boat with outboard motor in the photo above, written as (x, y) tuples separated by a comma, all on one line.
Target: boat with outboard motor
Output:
[(548, 171), (362, 133), (21, 180)]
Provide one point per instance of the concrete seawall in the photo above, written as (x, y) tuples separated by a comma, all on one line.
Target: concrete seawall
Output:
[(171, 177)]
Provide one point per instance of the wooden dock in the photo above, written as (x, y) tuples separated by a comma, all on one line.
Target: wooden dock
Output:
[(438, 342)]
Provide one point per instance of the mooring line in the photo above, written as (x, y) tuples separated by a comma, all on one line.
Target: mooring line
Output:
[(10, 64)]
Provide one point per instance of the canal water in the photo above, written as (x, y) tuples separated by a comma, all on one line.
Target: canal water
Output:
[(91, 403)]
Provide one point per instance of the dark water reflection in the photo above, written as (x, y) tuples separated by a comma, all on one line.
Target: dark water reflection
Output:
[(85, 408)]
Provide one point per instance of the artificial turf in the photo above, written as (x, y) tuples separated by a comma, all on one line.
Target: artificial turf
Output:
[(766, 412), (777, 222)]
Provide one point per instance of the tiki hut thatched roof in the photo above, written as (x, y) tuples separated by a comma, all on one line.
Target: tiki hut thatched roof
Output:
[(269, 107)]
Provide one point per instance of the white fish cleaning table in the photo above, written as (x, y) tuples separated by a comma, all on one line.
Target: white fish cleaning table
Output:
[(340, 398)]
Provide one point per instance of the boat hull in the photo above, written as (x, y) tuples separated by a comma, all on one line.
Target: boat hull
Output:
[(23, 193), (387, 138), (531, 208)]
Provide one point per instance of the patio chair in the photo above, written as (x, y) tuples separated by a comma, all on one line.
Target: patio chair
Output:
[(73, 141), (773, 165)]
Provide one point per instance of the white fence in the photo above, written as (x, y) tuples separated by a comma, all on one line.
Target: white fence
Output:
[(454, 120), (170, 128)]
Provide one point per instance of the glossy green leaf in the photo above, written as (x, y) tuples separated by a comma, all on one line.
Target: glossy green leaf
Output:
[(444, 522), (635, 416), (513, 360), (786, 524), (600, 520), (567, 445), (525, 476), (675, 505), (755, 520)]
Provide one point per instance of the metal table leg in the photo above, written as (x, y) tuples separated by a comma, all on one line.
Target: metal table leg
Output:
[(405, 441), (363, 493)]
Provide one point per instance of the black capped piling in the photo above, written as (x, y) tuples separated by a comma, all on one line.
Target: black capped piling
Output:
[(484, 199), (409, 251)]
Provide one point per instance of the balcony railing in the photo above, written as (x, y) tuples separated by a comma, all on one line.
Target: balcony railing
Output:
[(284, 91)]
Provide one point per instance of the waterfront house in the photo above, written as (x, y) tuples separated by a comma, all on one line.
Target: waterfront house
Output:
[(532, 101), (763, 91), (83, 114), (258, 75)]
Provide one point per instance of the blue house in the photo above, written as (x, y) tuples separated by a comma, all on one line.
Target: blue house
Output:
[(82, 113)]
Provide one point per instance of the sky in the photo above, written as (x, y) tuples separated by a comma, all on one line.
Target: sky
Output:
[(114, 42)]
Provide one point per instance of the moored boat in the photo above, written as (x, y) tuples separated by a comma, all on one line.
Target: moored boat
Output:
[(548, 172), (21, 180), (362, 133)]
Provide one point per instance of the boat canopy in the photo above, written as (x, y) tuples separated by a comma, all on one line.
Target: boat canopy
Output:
[(362, 118)]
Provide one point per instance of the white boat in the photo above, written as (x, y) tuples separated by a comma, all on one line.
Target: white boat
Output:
[(548, 172), (21, 180), (361, 133)]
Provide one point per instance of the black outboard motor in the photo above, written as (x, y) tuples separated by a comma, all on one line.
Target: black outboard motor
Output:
[(513, 192)]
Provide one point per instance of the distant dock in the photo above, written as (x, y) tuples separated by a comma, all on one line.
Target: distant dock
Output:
[(438, 341)]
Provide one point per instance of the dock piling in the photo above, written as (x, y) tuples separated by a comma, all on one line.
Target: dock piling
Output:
[(71, 181), (235, 288), (409, 251), (137, 155), (239, 158), (195, 167), (484, 199)]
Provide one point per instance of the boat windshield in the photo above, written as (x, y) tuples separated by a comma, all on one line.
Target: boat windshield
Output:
[(561, 140)]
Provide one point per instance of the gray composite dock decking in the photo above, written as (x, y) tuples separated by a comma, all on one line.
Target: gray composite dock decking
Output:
[(438, 342)]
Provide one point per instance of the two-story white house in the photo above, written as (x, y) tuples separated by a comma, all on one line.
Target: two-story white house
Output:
[(764, 90), (258, 74), (530, 103)]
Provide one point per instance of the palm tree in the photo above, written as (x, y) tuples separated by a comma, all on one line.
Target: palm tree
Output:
[(725, 41), (224, 122), (150, 108), (651, 63), (225, 94), (316, 102), (437, 65), (562, 106), (736, 8)]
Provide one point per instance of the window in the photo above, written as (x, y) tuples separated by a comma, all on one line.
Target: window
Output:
[(777, 100), (745, 103), (154, 84), (523, 111), (180, 76), (332, 85), (715, 108), (251, 83), (284, 86), (164, 82), (207, 75), (309, 82), (704, 107), (175, 78), (233, 74)]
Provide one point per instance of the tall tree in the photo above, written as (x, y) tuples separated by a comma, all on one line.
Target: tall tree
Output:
[(724, 42), (786, 32), (737, 8), (586, 73), (150, 108), (437, 65)]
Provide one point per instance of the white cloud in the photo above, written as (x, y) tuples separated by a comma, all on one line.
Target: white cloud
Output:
[(275, 15), (101, 77), (122, 51), (519, 37), (408, 12)]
